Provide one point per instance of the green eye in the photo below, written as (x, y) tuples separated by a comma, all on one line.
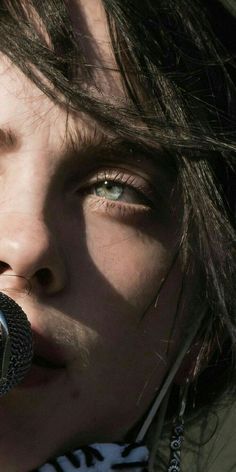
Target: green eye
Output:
[(109, 190)]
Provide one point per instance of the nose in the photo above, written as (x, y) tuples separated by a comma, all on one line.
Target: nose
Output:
[(30, 258)]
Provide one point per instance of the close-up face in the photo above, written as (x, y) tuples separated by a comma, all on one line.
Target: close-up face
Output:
[(86, 242)]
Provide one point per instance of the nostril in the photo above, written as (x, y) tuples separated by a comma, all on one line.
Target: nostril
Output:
[(3, 266), (44, 277)]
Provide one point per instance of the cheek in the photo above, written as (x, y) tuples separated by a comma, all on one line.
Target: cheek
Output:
[(132, 258)]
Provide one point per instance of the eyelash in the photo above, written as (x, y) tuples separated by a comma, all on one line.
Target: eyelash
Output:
[(135, 183)]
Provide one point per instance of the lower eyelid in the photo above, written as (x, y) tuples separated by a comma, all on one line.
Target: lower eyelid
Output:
[(116, 208)]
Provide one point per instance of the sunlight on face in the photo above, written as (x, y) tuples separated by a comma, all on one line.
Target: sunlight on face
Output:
[(91, 237)]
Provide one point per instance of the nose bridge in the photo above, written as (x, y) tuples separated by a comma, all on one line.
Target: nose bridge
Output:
[(26, 185), (25, 239)]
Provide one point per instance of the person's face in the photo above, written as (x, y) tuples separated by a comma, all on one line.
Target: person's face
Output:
[(85, 261)]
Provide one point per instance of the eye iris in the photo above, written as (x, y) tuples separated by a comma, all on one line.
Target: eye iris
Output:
[(109, 190)]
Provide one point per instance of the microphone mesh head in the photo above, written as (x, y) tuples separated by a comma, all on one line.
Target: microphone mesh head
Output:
[(21, 343)]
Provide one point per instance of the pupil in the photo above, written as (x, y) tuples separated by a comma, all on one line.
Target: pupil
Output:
[(108, 185)]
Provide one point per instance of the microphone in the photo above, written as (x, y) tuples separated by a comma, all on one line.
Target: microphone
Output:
[(16, 344)]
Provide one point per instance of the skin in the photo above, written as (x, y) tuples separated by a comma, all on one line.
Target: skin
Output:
[(84, 279)]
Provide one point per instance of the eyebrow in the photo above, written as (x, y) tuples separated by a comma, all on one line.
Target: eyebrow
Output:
[(80, 139), (94, 147), (81, 143), (90, 147)]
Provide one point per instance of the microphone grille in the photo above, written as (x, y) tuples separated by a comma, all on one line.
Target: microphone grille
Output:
[(20, 344)]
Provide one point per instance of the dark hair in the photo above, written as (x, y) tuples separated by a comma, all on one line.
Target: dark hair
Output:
[(178, 69)]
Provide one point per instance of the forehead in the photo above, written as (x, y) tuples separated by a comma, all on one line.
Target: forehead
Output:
[(28, 118), (90, 25), (23, 105), (89, 21)]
